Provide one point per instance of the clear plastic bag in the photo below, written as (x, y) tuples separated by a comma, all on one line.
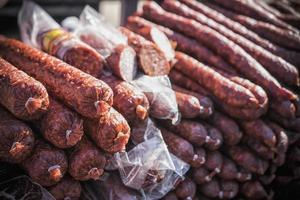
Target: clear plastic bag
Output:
[(22, 187), (149, 167), (162, 98)]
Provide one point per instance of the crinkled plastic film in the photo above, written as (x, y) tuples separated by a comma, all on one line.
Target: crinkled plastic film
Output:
[(22, 187), (162, 98), (149, 167)]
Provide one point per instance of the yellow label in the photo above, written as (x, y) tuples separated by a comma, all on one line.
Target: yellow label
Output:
[(51, 38)]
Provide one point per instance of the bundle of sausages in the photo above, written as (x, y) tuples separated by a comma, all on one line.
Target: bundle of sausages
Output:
[(233, 67)]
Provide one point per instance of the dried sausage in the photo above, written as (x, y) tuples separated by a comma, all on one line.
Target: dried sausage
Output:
[(235, 55), (186, 189), (150, 58), (67, 188), (23, 96), (286, 109), (61, 126), (47, 165), (229, 189), (188, 105), (259, 148), (111, 132), (278, 67), (17, 139), (87, 95), (214, 161), (216, 138), (128, 100), (254, 190), (122, 61), (86, 161), (68, 48)]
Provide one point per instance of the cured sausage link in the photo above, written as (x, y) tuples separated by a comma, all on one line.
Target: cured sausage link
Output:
[(24, 97), (87, 95)]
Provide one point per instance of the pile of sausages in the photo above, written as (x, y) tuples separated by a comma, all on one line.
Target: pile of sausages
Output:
[(233, 65)]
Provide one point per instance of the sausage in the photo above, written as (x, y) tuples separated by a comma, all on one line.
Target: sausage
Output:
[(183, 43), (200, 157), (282, 143), (128, 100), (138, 131), (87, 95), (17, 139), (67, 188), (47, 165), (111, 132), (286, 109), (247, 66), (278, 67), (156, 36), (170, 196), (65, 46), (122, 61), (292, 124), (230, 93), (201, 175), (24, 97), (250, 8), (216, 138), (230, 171), (86, 161), (186, 189), (259, 148), (61, 126), (279, 8), (229, 189), (290, 56), (179, 146), (192, 131), (182, 80), (261, 131), (211, 189), (205, 102), (97, 41), (150, 58), (230, 129), (247, 160), (254, 190), (188, 105), (214, 161)]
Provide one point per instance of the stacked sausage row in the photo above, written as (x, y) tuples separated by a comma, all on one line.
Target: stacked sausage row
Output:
[(238, 56)]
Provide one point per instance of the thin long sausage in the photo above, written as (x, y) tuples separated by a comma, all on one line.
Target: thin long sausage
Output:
[(23, 96), (87, 95), (17, 139)]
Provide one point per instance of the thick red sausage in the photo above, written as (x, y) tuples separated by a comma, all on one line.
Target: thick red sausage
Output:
[(151, 59), (23, 96), (17, 139), (87, 95), (111, 132), (61, 126), (67, 188), (65, 46), (128, 100), (188, 105), (47, 165), (122, 61), (86, 161)]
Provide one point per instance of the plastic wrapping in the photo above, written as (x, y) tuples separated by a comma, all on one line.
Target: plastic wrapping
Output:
[(161, 97), (22, 187), (149, 167)]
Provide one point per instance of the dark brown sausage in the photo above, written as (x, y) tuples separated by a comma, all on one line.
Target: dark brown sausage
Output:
[(192, 131), (86, 161), (47, 165), (201, 175), (211, 189), (230, 129), (216, 138), (67, 188), (205, 102), (128, 100), (235, 55), (183, 43), (61, 126), (230, 171), (259, 148), (278, 67), (87, 95), (186, 189), (248, 160), (229, 189), (214, 161), (170, 196), (66, 47), (200, 157), (17, 139), (188, 105), (23, 96), (254, 190), (111, 132), (292, 124), (286, 109), (151, 59), (122, 61)]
